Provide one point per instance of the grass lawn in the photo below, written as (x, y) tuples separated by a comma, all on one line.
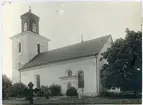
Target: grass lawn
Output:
[(98, 100)]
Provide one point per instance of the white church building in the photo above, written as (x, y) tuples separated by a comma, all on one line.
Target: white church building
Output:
[(76, 65)]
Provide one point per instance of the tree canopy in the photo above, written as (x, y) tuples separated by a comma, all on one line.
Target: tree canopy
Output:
[(124, 67), (6, 86)]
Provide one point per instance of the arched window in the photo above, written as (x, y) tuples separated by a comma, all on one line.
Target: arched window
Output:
[(19, 47), (37, 81), (34, 27), (38, 48), (81, 79), (25, 26)]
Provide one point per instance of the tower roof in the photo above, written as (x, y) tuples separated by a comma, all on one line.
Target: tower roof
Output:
[(29, 13)]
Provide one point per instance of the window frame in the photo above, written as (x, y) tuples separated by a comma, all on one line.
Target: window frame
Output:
[(34, 28), (80, 82), (37, 81), (19, 47), (38, 48), (25, 27)]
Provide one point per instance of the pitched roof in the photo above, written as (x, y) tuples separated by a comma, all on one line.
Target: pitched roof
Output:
[(83, 49)]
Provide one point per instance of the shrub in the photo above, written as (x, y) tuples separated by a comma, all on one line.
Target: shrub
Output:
[(55, 90), (37, 92), (45, 91), (71, 92), (42, 92), (123, 94), (26, 93), (6, 86), (18, 89)]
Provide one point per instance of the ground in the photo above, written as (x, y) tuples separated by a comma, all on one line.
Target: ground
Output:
[(98, 100)]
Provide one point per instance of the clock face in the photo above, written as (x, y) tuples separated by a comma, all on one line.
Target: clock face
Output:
[(25, 26), (34, 27)]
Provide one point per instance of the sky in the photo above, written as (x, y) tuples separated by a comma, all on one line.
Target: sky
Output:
[(64, 22)]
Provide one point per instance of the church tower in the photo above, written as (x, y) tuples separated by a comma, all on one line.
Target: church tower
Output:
[(27, 44)]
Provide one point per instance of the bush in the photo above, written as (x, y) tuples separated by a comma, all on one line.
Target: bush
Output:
[(45, 91), (18, 90), (55, 90), (26, 93), (6, 86), (71, 92), (119, 95), (42, 92), (37, 92)]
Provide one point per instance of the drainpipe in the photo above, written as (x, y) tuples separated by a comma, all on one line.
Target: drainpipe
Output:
[(19, 76), (97, 74)]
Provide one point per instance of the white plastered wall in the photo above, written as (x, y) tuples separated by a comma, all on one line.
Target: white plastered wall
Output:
[(50, 74)]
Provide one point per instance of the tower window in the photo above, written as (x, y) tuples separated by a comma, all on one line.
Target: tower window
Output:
[(25, 26), (38, 48), (19, 47), (34, 27)]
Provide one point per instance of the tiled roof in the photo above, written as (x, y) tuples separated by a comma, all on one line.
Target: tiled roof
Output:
[(83, 49)]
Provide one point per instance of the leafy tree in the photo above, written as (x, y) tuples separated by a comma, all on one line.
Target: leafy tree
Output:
[(6, 85), (124, 67)]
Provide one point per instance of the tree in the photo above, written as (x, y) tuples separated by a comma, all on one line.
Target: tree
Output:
[(6, 85), (124, 67)]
